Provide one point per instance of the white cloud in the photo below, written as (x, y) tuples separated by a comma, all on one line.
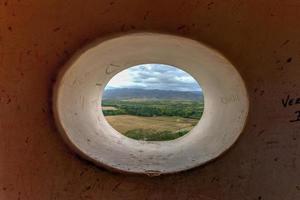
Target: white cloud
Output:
[(154, 76)]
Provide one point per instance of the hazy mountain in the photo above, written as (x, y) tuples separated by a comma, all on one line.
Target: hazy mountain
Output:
[(131, 93)]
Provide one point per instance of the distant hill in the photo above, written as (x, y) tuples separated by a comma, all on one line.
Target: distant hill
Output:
[(142, 94)]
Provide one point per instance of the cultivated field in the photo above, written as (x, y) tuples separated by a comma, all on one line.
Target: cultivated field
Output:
[(124, 123), (150, 120)]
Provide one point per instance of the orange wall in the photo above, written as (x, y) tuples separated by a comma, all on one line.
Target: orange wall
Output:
[(261, 37)]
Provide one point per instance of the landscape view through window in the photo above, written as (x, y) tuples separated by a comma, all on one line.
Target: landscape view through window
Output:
[(153, 102)]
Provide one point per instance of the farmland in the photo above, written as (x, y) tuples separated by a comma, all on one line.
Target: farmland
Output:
[(152, 120)]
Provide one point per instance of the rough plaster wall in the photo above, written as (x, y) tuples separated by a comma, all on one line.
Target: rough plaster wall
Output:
[(261, 37)]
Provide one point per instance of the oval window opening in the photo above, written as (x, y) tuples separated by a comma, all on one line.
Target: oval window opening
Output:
[(153, 102), (80, 88)]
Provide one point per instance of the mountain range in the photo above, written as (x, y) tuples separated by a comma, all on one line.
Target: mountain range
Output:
[(151, 94)]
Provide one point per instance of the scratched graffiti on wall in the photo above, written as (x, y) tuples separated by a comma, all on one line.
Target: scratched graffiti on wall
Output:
[(292, 101)]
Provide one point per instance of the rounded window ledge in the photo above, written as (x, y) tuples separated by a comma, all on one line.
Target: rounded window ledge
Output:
[(78, 92)]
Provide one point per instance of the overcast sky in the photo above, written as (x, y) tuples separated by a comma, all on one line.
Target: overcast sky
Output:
[(154, 76)]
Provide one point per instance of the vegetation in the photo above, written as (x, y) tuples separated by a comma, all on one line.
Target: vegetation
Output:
[(154, 135), (186, 109), (152, 115), (152, 120)]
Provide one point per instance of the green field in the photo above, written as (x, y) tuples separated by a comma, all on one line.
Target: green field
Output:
[(152, 120), (148, 108)]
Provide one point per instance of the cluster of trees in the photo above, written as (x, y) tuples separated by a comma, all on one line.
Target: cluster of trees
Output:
[(153, 135), (186, 109)]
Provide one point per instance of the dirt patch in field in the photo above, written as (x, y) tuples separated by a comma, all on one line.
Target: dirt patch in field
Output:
[(109, 108)]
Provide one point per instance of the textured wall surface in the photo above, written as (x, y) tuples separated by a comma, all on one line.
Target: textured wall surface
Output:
[(261, 37)]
